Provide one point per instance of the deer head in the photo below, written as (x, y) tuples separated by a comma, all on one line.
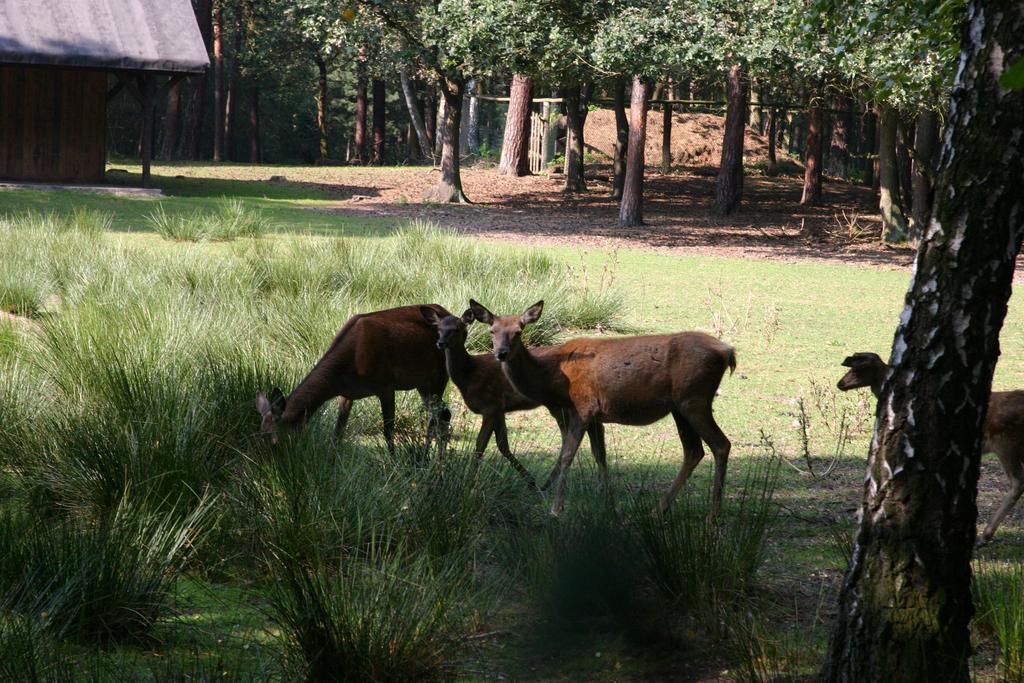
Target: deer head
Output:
[(271, 410), (506, 330), (866, 370), (451, 331)]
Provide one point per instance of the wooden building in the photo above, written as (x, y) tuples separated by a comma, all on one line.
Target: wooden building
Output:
[(61, 61)]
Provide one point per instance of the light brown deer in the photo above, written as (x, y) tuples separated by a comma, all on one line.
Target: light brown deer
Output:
[(374, 354), (488, 393), (1004, 427), (626, 380)]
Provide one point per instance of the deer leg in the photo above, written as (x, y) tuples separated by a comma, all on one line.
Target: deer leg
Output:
[(700, 418), (501, 438), (571, 438), (387, 411), (483, 437), (554, 470), (438, 422), (693, 453), (1014, 468), (595, 430), (344, 408)]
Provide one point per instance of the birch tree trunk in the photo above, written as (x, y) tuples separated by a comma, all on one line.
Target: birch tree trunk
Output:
[(631, 208), (515, 145), (905, 606)]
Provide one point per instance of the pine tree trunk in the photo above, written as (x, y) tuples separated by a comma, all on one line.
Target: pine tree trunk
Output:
[(449, 188), (729, 190), (839, 145), (218, 80), (926, 145), (171, 116), (812, 161), (894, 221), (870, 147), (195, 110), (255, 151), (231, 102), (360, 135), (905, 606), (473, 124), (773, 130), (415, 116), (430, 120), (905, 172), (323, 107), (574, 121), (621, 138), (515, 145), (379, 121), (631, 208)]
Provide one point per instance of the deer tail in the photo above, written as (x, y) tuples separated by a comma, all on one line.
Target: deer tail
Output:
[(729, 354)]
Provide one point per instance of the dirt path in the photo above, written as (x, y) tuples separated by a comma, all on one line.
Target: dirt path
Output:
[(770, 224)]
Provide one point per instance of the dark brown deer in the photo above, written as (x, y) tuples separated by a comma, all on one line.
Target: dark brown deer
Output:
[(1004, 427), (374, 354), (487, 392), (626, 380)]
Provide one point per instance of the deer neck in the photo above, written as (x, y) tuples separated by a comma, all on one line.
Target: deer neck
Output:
[(459, 364), (528, 374), (312, 392)]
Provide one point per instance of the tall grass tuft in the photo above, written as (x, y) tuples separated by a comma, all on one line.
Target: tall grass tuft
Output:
[(28, 654), (103, 581), (702, 563), (999, 596), (231, 220)]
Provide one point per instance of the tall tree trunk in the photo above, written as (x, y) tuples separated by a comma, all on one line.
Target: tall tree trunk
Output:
[(574, 122), (894, 221), (812, 160), (438, 134), (666, 137), (231, 101), (449, 188), (621, 138), (195, 109), (631, 208), (515, 145), (255, 151), (839, 145), (218, 80), (430, 120), (926, 145), (905, 606), (323, 103), (729, 190), (379, 121), (473, 124), (171, 116), (415, 115), (362, 155), (869, 147), (905, 171), (773, 135)]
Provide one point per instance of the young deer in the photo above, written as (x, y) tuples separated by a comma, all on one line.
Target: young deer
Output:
[(374, 354), (628, 380), (1004, 427), (486, 390)]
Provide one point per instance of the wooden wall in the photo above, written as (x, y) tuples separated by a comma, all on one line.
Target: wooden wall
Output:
[(52, 124)]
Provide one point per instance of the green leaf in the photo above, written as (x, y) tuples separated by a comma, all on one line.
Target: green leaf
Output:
[(1013, 78)]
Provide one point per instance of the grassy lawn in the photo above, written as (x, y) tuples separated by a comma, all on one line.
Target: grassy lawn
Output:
[(156, 334)]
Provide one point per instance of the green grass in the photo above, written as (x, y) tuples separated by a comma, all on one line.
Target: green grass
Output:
[(134, 383)]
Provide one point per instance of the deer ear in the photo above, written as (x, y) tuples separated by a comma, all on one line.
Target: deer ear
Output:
[(532, 314), (467, 317), (262, 404), (430, 315), (481, 313), (849, 361)]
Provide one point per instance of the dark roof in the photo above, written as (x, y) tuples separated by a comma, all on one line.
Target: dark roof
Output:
[(150, 35)]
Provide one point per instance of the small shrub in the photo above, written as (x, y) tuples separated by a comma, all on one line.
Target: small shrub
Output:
[(99, 582)]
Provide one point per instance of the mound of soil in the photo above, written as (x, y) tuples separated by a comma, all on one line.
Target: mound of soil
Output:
[(696, 139)]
